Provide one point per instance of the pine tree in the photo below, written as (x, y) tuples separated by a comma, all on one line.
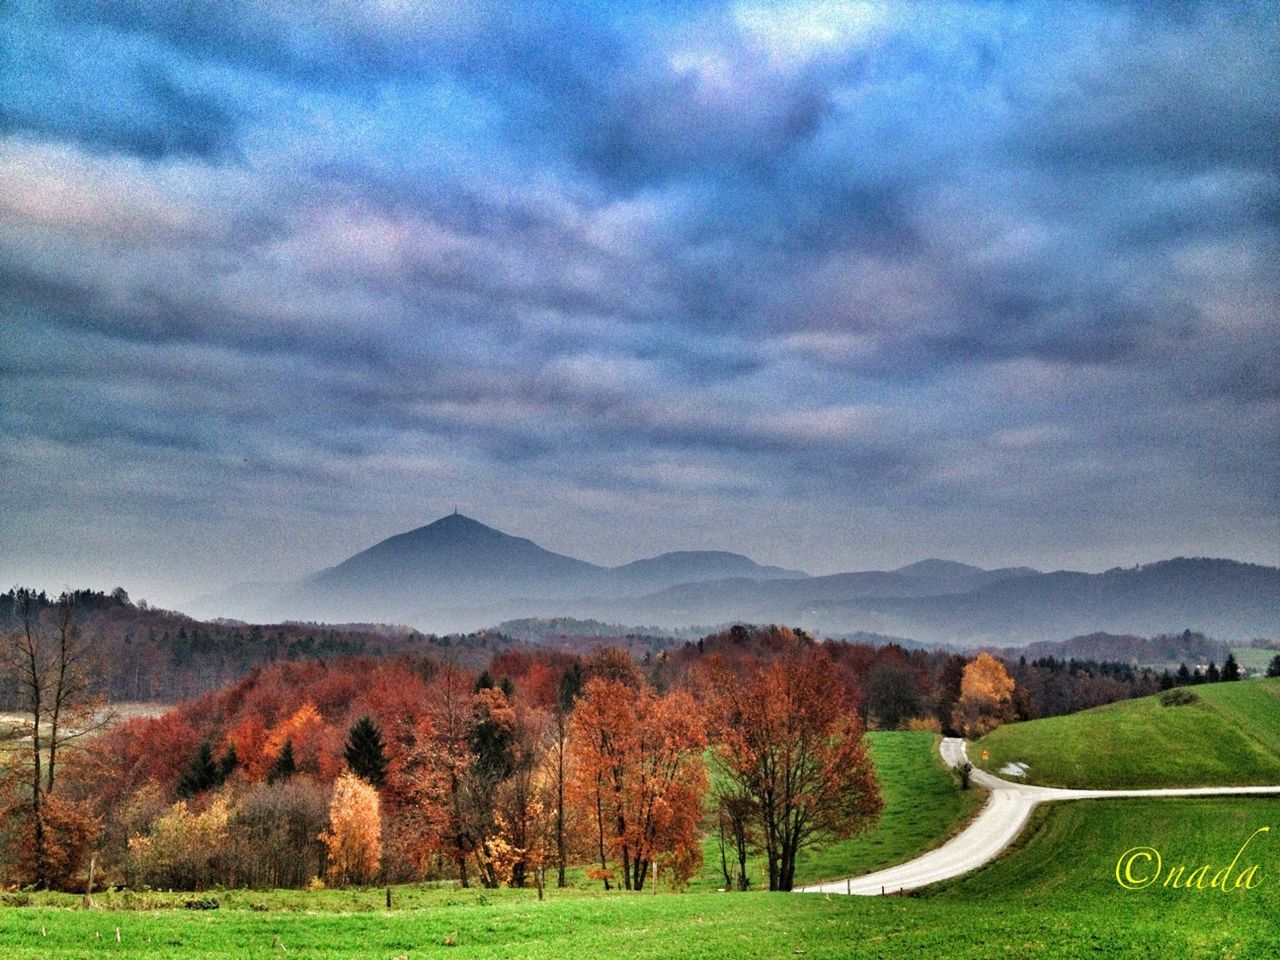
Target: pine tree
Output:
[(285, 766), (1231, 669), (228, 763), (201, 773), (1273, 669), (364, 751), (1213, 676)]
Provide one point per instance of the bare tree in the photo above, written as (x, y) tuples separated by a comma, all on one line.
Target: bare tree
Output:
[(57, 700)]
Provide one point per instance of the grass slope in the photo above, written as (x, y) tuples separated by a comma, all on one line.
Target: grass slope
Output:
[(923, 806), (1052, 897), (1231, 737)]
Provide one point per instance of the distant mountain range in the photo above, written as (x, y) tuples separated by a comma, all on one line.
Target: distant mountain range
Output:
[(458, 574)]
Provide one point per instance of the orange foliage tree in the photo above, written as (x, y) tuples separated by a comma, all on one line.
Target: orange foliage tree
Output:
[(354, 837), (986, 697), (790, 750), (638, 776)]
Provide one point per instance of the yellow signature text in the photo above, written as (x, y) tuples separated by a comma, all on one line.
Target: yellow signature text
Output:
[(1141, 867)]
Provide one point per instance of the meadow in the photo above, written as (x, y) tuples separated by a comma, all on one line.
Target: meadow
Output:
[(1230, 736), (1054, 896)]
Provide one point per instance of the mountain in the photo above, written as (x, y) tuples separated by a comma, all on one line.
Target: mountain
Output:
[(1222, 598), (1012, 606), (446, 570), (687, 566), (458, 574), (454, 553)]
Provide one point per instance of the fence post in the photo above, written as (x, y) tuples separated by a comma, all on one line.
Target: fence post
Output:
[(88, 889)]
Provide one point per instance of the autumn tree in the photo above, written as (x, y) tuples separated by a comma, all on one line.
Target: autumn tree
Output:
[(492, 742), (789, 743), (451, 719), (736, 832), (365, 752), (183, 848), (639, 776), (986, 697), (570, 687), (414, 798), (275, 833), (354, 837), (54, 677)]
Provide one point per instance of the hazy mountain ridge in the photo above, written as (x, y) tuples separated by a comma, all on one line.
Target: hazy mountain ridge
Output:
[(458, 574)]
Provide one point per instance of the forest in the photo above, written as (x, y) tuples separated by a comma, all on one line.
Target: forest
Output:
[(348, 757)]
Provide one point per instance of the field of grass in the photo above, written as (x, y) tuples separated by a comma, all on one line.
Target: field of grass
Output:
[(1054, 896), (923, 806), (1231, 736)]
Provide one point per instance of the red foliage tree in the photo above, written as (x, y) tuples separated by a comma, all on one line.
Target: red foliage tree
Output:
[(787, 742), (639, 778)]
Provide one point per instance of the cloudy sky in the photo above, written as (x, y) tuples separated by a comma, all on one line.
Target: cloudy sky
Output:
[(839, 285)]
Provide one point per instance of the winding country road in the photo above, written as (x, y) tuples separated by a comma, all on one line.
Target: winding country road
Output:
[(1001, 819)]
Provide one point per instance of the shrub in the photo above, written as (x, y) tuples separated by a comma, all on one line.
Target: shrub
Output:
[(1179, 697)]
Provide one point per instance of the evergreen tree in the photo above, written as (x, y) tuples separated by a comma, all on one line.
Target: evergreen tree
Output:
[(571, 682), (1213, 675), (1166, 680), (285, 766), (364, 752), (201, 774), (1184, 675), (1273, 668), (227, 765), (1231, 669)]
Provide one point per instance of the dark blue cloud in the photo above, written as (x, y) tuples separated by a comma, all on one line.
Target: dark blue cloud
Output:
[(925, 277), (107, 95)]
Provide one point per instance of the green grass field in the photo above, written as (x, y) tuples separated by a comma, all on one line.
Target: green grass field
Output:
[(1232, 736), (1054, 896), (923, 806)]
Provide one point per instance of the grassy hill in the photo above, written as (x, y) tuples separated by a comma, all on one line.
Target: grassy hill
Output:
[(1054, 896), (1230, 736)]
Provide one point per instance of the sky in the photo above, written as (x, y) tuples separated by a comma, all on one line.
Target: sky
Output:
[(837, 285)]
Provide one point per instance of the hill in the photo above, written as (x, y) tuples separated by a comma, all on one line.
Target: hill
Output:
[(1166, 650), (1231, 735), (1008, 606)]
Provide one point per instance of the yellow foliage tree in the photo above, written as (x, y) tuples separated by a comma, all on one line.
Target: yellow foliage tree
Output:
[(354, 837), (293, 728), (986, 697), (182, 848)]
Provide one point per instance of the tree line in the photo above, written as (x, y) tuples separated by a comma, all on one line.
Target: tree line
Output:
[(412, 766)]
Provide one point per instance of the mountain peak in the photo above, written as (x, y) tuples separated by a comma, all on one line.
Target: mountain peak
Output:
[(934, 567)]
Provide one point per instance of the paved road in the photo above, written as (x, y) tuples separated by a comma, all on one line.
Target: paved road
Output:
[(1000, 820)]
